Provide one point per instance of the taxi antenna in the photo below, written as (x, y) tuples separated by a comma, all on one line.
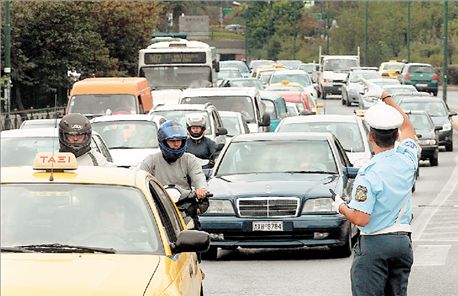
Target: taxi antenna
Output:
[(51, 177)]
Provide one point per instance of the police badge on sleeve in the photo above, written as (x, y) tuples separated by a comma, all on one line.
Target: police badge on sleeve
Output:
[(361, 193)]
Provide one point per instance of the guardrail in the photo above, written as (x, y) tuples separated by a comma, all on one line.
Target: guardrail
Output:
[(15, 118)]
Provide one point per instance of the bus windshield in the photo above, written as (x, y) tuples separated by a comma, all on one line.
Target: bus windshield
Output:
[(177, 77)]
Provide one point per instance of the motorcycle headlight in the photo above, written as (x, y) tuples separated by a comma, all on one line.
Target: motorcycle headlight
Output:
[(323, 204), (446, 127), (220, 207)]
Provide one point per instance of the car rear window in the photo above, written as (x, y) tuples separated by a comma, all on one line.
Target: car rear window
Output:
[(421, 69)]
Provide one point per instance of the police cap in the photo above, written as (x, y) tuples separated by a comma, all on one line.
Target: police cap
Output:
[(383, 117)]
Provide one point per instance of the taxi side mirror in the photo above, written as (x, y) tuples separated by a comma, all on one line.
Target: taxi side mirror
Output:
[(191, 241)]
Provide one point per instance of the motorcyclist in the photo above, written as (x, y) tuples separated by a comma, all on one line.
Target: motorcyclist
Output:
[(75, 136), (173, 166), (197, 143)]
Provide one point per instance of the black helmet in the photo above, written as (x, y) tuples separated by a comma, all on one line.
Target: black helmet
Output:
[(171, 130), (75, 124), (196, 119)]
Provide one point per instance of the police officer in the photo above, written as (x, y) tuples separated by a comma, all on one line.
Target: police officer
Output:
[(197, 143), (381, 204), (75, 136)]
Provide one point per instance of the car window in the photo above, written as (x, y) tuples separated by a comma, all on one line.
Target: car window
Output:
[(421, 69), (181, 115), (432, 108), (128, 134), (277, 157), (167, 211), (104, 216), (348, 133), (421, 122)]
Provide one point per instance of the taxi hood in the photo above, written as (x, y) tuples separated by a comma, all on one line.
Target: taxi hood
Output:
[(76, 274), (274, 184)]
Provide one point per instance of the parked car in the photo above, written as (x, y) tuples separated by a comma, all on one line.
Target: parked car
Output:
[(19, 146), (440, 114), (70, 230), (266, 196), (215, 129), (234, 123), (130, 138), (422, 76), (428, 139), (349, 129)]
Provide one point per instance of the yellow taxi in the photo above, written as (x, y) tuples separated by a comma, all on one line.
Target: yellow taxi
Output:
[(391, 69), (68, 230)]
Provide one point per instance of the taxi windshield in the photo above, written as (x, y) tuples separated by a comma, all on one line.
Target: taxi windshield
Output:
[(128, 134), (278, 157), (89, 216)]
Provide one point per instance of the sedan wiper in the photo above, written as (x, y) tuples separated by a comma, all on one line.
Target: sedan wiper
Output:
[(310, 172), (15, 250), (61, 248), (123, 147)]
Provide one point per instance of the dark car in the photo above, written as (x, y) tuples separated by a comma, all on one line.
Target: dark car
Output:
[(427, 136), (267, 197), (439, 112), (422, 76)]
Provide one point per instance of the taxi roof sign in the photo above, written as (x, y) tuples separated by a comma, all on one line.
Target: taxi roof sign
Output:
[(55, 161)]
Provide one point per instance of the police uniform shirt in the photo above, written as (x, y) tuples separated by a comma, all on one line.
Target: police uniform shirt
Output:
[(383, 186)]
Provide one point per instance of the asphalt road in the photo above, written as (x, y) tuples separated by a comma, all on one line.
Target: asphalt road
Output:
[(316, 272)]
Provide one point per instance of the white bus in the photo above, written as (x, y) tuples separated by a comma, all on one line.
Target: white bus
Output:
[(177, 63)]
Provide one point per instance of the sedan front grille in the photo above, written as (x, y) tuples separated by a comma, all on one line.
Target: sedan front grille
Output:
[(268, 206)]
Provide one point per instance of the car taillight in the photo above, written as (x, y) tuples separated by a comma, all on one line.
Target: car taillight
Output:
[(407, 77), (435, 77)]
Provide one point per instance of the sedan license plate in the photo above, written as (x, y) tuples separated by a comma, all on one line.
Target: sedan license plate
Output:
[(422, 85), (268, 226)]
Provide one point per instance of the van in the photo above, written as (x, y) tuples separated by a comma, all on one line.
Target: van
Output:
[(110, 95)]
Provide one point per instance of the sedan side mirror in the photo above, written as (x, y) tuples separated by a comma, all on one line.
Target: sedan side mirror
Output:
[(222, 131)]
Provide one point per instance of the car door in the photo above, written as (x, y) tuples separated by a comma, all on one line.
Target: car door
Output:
[(183, 266)]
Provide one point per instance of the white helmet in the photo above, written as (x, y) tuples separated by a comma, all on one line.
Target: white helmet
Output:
[(196, 119)]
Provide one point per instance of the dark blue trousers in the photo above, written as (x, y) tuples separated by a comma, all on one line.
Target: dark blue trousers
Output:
[(381, 265)]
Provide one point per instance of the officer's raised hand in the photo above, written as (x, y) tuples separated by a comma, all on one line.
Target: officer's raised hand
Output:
[(373, 90), (201, 193)]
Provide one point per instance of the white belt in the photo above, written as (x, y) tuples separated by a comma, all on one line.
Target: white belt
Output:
[(397, 226)]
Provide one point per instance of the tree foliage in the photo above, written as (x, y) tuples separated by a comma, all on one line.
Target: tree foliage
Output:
[(50, 38)]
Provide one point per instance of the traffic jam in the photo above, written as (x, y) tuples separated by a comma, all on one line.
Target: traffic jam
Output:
[(147, 180)]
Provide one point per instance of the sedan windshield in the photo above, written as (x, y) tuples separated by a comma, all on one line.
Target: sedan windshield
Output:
[(432, 108), (348, 133), (128, 134), (277, 157), (421, 121), (72, 217)]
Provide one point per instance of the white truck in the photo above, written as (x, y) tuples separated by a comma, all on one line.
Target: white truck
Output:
[(333, 70)]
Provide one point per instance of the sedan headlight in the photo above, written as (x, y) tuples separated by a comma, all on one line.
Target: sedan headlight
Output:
[(220, 207), (317, 205), (446, 127), (427, 142)]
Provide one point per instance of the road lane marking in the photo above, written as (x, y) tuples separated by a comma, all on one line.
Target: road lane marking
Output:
[(420, 222), (430, 255)]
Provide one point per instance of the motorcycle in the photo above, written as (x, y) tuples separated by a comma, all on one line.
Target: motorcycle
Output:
[(188, 204)]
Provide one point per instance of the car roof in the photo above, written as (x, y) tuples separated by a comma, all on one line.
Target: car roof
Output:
[(30, 132), (82, 175), (282, 136), (219, 92), (122, 117), (320, 118), (190, 107), (293, 71)]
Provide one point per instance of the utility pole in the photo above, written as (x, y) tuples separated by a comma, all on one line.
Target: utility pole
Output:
[(365, 31), (444, 74), (7, 68), (327, 28), (409, 27)]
